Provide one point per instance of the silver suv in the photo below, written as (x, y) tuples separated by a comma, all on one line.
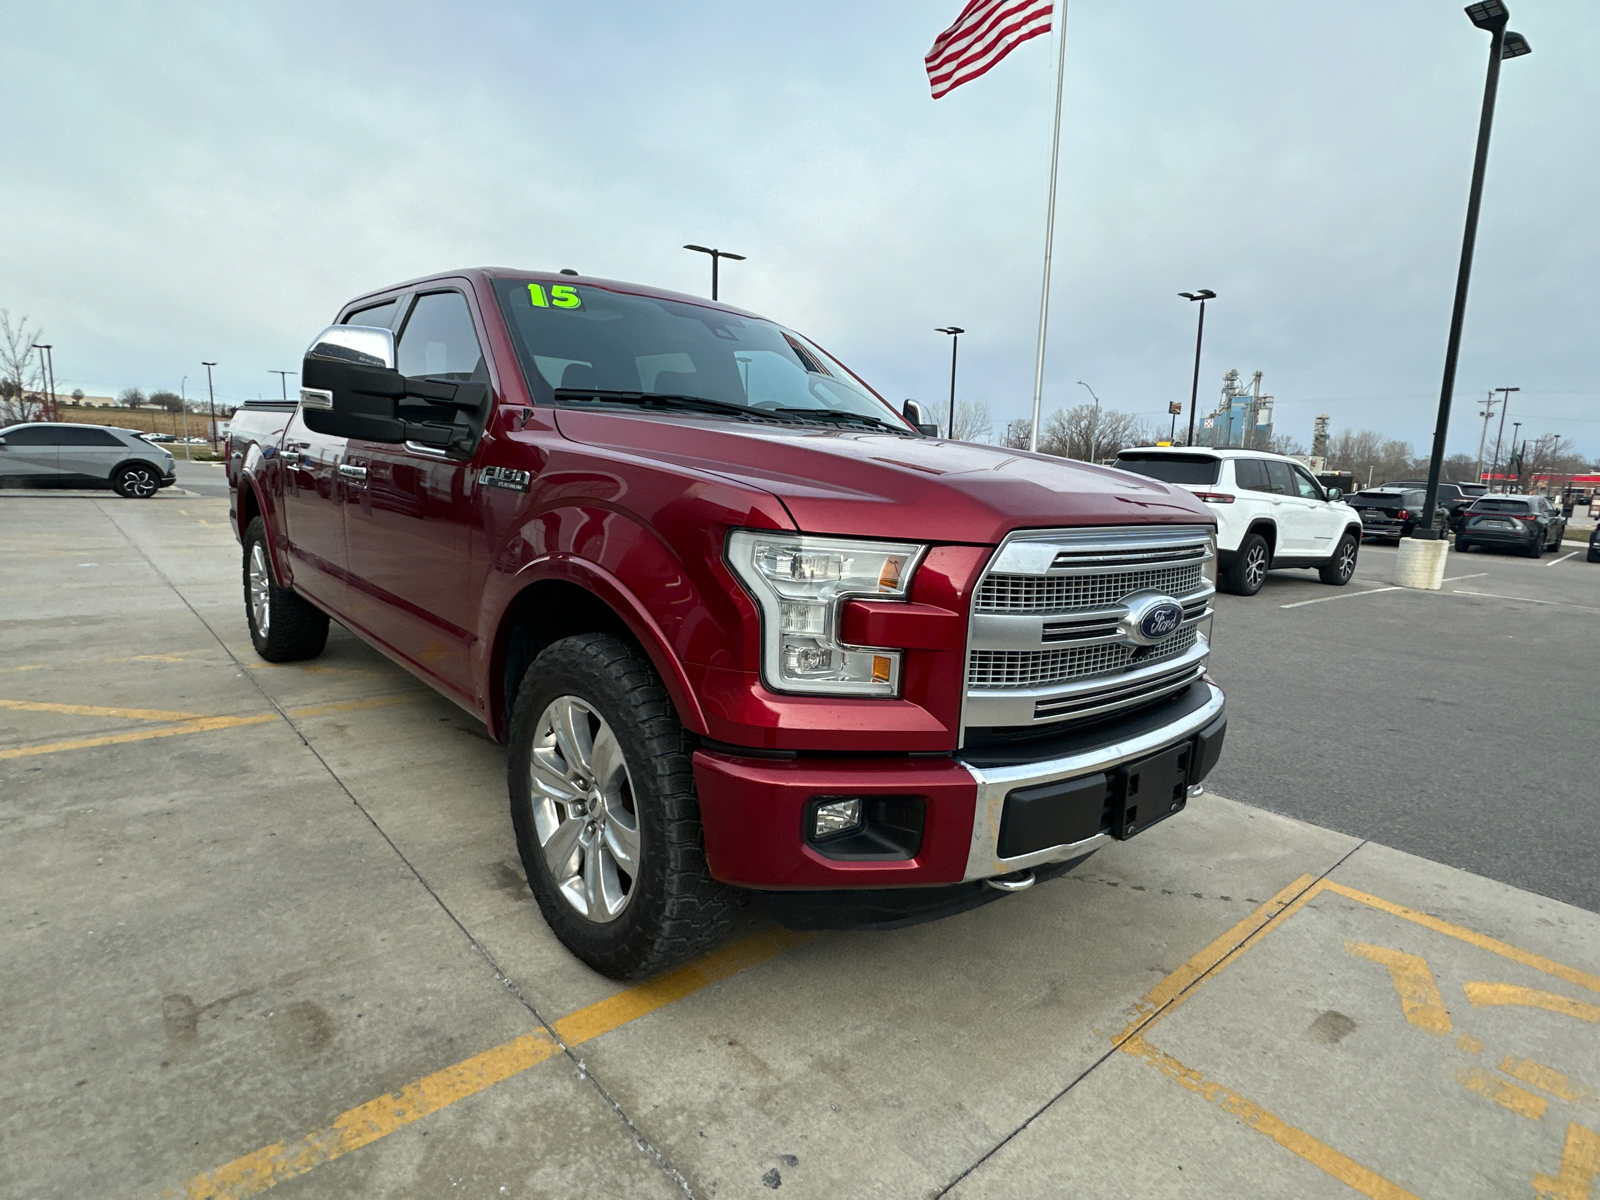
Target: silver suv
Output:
[(63, 454)]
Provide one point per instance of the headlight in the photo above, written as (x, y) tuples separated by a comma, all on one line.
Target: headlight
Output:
[(1208, 569), (800, 583)]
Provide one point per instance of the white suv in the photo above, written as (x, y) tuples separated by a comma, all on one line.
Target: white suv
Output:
[(1270, 512)]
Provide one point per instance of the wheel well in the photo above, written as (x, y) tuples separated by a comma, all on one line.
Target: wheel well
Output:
[(1267, 530), (249, 509), (542, 614), (135, 462)]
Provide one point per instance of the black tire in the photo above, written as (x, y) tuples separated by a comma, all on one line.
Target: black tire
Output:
[(1536, 550), (136, 481), (669, 909), (1593, 556), (1339, 569), (1462, 545), (1248, 570), (284, 627)]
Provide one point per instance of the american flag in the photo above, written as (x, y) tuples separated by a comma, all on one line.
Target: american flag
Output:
[(984, 33)]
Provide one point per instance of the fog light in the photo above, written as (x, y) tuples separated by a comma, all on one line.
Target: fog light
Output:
[(836, 817)]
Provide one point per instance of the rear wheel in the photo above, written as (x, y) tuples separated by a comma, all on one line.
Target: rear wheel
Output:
[(604, 806), (1462, 545), (1248, 571), (137, 481), (284, 627), (1338, 569), (1536, 550)]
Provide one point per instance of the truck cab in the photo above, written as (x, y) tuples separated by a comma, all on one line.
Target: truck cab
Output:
[(742, 625)]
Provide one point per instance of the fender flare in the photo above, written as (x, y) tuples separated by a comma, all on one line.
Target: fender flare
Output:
[(610, 591), (279, 561)]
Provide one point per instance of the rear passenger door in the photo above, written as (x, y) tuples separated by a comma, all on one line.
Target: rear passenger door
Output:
[(31, 453), (90, 453)]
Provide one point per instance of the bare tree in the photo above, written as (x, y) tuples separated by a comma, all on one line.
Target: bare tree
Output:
[(170, 401), (973, 423), (77, 395), (1018, 434), (21, 371), (1090, 433), (1551, 456), (132, 397), (1369, 455), (1457, 468), (1284, 443)]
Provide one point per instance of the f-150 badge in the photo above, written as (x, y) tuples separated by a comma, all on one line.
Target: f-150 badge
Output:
[(504, 477)]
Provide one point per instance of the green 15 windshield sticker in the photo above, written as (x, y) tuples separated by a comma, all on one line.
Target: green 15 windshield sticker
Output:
[(561, 296)]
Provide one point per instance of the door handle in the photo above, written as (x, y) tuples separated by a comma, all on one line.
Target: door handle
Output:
[(292, 457), (359, 474)]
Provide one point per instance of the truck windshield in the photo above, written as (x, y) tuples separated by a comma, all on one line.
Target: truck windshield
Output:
[(1171, 468), (594, 345)]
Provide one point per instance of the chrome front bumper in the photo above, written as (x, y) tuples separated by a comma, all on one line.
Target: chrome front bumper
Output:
[(996, 783)]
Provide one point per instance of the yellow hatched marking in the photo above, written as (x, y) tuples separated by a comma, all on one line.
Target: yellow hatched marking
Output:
[(1507, 1095), (360, 1126), (1469, 1044), (1484, 995), (95, 710), (1413, 983), (1547, 1078), (1580, 1163), (203, 725)]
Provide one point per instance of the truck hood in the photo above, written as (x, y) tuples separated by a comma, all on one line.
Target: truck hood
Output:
[(862, 483)]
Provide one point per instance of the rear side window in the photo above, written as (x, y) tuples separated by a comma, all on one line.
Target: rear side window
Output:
[(88, 437), (34, 435), (1172, 468), (1251, 475), (1280, 478), (439, 341), (380, 316)]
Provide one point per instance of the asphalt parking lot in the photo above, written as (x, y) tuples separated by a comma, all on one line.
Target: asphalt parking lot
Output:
[(264, 927), (1459, 725)]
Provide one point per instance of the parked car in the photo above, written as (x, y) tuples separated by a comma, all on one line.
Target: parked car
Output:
[(160, 438), (64, 454), (1594, 544), (1394, 512), (741, 624), (1455, 497), (1270, 512), (1529, 524)]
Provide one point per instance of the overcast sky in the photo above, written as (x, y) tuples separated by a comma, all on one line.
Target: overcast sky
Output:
[(213, 180)]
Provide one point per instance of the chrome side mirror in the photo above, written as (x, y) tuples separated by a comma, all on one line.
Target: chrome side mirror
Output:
[(913, 412), (360, 345)]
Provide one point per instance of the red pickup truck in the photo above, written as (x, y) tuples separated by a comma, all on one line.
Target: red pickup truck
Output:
[(742, 626)]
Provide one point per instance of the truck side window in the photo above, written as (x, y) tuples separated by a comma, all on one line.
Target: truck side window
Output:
[(439, 342), (379, 316), (1251, 474)]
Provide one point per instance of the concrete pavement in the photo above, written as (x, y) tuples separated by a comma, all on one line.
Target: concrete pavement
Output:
[(264, 925)]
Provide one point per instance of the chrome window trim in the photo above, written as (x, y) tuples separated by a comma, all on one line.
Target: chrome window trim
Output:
[(996, 783)]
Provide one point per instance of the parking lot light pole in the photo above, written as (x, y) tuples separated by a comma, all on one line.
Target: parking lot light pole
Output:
[(211, 392), (1500, 432), (1490, 16), (283, 380), (48, 370), (1202, 295), (715, 255), (955, 332), (1094, 429)]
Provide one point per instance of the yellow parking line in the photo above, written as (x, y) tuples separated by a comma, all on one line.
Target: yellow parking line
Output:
[(1413, 983), (1547, 1078), (25, 667), (1482, 995), (1507, 1095), (202, 725), (366, 1123), (322, 710), (95, 710)]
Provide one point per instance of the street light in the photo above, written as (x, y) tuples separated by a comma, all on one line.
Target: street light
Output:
[(1094, 429), (211, 392), (715, 255), (1490, 16), (49, 379), (283, 380), (1516, 428), (1202, 295), (955, 332), (183, 407), (1504, 405)]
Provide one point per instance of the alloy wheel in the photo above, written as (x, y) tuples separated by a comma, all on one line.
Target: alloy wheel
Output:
[(260, 589), (141, 483), (1347, 560), (1255, 567), (583, 809)]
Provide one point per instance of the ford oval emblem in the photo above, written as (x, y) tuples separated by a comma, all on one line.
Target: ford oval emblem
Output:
[(1151, 618), (1161, 622)]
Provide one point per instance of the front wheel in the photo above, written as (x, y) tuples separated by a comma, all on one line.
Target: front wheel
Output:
[(284, 627), (604, 807), (1338, 569), (136, 482), (1248, 571)]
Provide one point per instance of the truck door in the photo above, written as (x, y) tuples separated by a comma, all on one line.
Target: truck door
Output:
[(414, 584), (313, 512)]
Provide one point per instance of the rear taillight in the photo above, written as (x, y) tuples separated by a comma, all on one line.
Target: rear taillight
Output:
[(1214, 497), (1404, 515)]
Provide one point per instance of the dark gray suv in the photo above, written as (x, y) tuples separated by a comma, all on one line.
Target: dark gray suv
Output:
[(62, 454)]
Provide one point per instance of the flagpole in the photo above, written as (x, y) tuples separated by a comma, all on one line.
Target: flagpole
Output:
[(1050, 221)]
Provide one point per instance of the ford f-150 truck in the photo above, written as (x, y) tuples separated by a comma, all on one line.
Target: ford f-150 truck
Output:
[(741, 625)]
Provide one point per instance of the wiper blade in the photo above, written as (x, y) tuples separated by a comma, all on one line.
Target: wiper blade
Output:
[(660, 400), (835, 414)]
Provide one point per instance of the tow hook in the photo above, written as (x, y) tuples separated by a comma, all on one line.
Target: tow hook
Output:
[(1016, 881)]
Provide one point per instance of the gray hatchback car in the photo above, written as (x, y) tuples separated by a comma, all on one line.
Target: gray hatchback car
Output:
[(63, 454)]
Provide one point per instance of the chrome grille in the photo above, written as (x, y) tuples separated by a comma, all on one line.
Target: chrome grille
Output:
[(1040, 668), (1063, 593), (1046, 642)]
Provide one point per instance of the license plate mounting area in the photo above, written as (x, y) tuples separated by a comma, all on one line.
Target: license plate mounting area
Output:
[(1150, 790)]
